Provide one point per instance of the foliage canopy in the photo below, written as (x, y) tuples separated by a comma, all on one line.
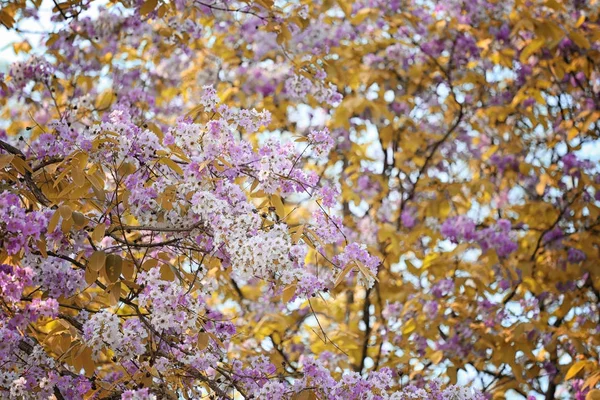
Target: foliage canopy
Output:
[(370, 199)]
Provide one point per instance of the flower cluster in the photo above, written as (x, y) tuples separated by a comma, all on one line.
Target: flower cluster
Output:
[(20, 228), (351, 385), (321, 141), (35, 69), (497, 237), (355, 253), (196, 250), (13, 280), (298, 87)]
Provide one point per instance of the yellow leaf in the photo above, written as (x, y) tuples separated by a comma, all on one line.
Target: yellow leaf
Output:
[(155, 129), (87, 361), (148, 6), (489, 152), (575, 368), (97, 261), (593, 395), (21, 165), (79, 219), (53, 221), (90, 276), (114, 266), (592, 381), (342, 274), (5, 159), (128, 269), (6, 19), (305, 395), (572, 133), (579, 40), (99, 232), (268, 4), (105, 99), (288, 293), (41, 244), (64, 342), (452, 373), (366, 271), (149, 264), (531, 48), (541, 186), (409, 327), (437, 356), (203, 340), (284, 35), (114, 293), (346, 6), (361, 15), (297, 234), (555, 5), (99, 192), (171, 164), (278, 204), (166, 273)]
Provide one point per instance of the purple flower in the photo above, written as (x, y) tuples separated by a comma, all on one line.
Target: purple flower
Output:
[(408, 218), (458, 228), (575, 256)]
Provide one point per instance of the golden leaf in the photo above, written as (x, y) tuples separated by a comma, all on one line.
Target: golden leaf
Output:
[(90, 276), (148, 6), (278, 204), (5, 159), (203, 339), (65, 211), (288, 293), (361, 15), (575, 368), (579, 40), (171, 164), (149, 264), (114, 293), (114, 266), (128, 269), (305, 395), (437, 356), (342, 274), (79, 219), (41, 244), (297, 234), (593, 395), (104, 100), (409, 327), (346, 6), (531, 48), (99, 232), (97, 261), (166, 272), (6, 19)]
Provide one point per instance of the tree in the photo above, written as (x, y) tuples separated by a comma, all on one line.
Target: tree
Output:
[(329, 199)]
